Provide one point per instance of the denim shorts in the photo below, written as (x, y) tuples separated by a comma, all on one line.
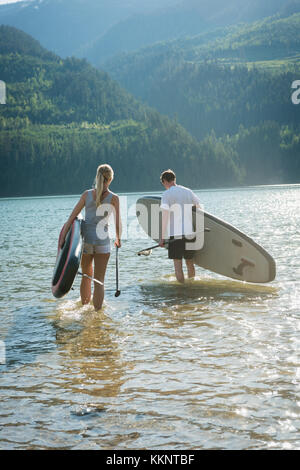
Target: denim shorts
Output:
[(89, 249)]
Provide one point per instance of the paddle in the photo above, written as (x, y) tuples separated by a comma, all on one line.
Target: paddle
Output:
[(147, 251), (91, 278), (118, 292)]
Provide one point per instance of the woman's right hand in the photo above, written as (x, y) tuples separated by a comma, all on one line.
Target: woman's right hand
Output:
[(118, 243)]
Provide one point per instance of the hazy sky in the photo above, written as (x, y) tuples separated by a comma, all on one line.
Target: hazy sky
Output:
[(9, 1)]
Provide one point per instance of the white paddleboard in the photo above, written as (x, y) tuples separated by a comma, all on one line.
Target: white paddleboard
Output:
[(226, 250)]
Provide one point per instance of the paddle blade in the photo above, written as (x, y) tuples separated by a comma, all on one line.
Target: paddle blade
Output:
[(145, 253)]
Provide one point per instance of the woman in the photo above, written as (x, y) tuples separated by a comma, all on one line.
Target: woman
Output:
[(99, 203)]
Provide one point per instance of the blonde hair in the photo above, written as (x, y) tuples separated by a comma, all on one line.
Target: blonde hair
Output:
[(104, 174)]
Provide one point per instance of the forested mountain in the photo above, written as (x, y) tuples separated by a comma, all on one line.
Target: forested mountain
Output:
[(62, 118), (237, 76), (229, 88), (64, 26), (144, 29), (231, 85), (187, 18), (98, 29), (46, 89), (212, 96)]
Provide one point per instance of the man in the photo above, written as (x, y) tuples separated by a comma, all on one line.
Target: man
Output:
[(177, 223)]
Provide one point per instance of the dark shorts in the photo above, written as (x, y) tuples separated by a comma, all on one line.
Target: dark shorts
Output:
[(177, 248)]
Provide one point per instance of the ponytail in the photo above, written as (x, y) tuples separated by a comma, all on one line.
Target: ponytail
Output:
[(104, 174), (99, 188)]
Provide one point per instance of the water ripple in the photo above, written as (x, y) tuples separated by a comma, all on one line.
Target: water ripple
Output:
[(213, 364)]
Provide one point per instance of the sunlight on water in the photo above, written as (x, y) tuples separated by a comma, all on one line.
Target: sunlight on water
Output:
[(213, 364)]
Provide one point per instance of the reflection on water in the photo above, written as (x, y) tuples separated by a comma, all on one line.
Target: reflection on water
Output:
[(86, 340), (23, 341), (200, 290), (213, 364)]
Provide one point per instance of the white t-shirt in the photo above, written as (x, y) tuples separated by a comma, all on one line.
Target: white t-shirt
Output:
[(179, 201)]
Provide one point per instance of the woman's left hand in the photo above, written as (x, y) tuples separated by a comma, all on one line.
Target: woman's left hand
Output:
[(62, 237), (61, 242)]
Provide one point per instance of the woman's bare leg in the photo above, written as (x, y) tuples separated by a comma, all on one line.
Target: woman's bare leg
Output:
[(85, 286), (101, 261)]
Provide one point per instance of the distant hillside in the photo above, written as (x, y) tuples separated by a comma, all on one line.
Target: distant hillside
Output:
[(231, 85), (268, 39), (207, 81), (14, 41), (231, 12), (64, 26), (185, 19), (62, 118), (272, 38), (46, 89), (141, 30), (97, 29)]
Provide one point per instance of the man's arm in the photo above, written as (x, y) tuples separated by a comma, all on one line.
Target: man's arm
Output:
[(165, 209), (196, 200), (165, 221)]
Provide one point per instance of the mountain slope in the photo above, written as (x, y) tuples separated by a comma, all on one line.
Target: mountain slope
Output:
[(62, 118), (98, 29), (52, 90), (231, 86), (64, 26), (140, 30), (187, 18), (207, 82)]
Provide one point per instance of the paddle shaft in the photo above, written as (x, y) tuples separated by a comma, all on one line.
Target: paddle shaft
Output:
[(91, 278), (166, 243), (118, 292)]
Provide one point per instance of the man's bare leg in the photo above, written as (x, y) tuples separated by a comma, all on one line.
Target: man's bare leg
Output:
[(190, 268), (178, 270)]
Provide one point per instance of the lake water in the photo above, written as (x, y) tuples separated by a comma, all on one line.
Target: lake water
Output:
[(213, 364)]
